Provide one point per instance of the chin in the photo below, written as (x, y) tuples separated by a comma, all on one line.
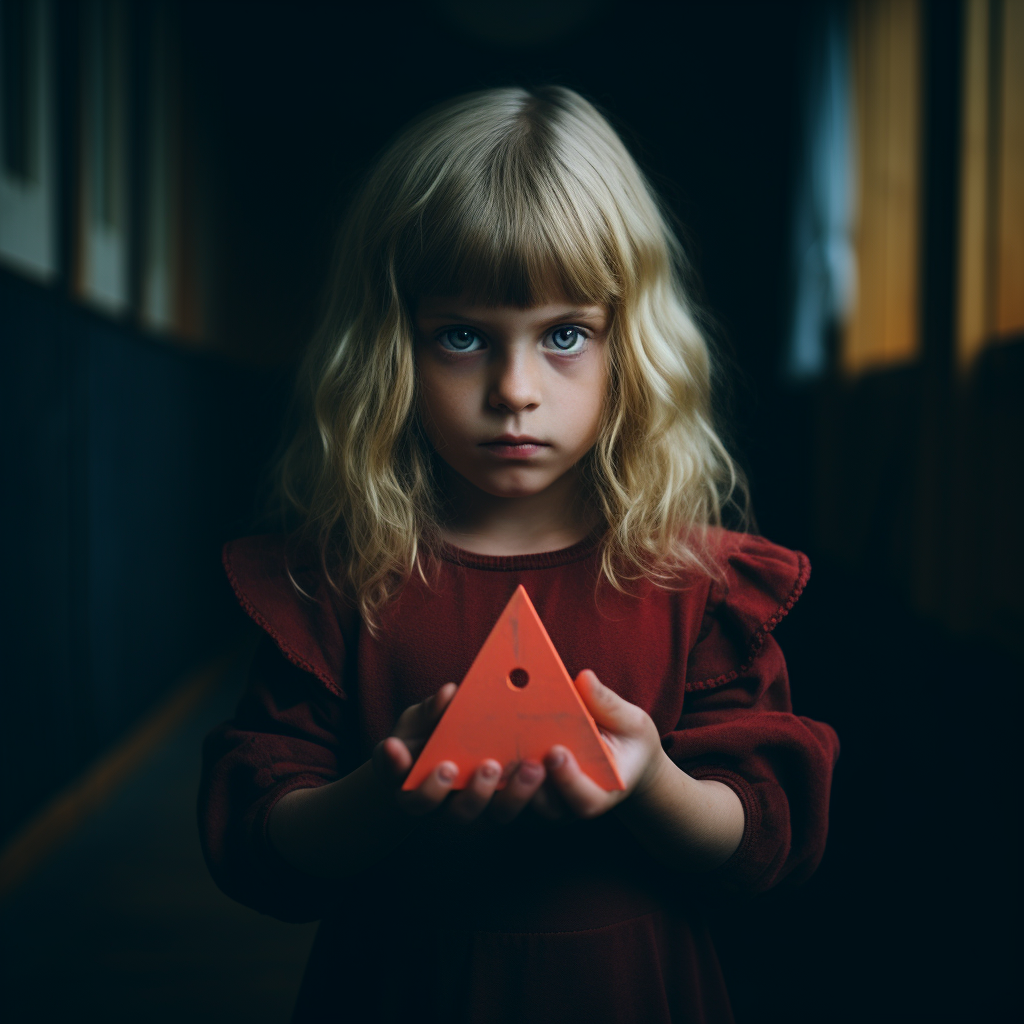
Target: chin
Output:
[(512, 492), (512, 488)]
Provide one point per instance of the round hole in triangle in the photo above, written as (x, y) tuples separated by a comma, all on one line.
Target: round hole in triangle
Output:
[(519, 677)]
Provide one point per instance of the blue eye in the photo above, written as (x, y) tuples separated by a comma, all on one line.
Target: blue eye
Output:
[(568, 337), (460, 339)]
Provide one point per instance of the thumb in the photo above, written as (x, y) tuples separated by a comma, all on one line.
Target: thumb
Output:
[(610, 711)]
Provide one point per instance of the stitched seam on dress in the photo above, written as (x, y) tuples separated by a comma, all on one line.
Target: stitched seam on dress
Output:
[(257, 616), (760, 634), (518, 563)]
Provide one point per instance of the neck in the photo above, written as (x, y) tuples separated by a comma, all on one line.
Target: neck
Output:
[(487, 525)]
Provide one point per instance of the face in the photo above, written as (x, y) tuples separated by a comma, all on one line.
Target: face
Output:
[(512, 398)]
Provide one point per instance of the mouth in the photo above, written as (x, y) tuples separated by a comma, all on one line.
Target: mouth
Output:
[(511, 441), (510, 446)]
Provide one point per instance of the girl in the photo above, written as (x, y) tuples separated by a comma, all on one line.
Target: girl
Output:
[(510, 387)]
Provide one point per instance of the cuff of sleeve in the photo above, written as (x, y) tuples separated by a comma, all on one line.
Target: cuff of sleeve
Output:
[(300, 897), (736, 874)]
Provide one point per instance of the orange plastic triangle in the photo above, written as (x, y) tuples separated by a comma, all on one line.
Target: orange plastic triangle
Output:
[(516, 702)]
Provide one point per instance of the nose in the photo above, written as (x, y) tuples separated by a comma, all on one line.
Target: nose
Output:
[(515, 382)]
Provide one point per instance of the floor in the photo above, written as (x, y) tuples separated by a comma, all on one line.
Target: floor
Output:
[(124, 924)]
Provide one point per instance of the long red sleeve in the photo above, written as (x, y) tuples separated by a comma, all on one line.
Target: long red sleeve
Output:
[(744, 734), (288, 733)]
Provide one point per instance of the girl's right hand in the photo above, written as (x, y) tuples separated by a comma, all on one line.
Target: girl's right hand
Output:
[(393, 759)]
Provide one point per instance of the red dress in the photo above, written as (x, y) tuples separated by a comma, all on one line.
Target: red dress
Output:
[(534, 921)]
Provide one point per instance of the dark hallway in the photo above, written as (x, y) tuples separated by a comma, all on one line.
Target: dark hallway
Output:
[(844, 177)]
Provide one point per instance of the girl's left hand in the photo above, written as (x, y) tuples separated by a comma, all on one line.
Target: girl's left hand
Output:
[(631, 736)]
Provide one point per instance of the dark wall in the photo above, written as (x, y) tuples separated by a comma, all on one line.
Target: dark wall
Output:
[(128, 462), (303, 96)]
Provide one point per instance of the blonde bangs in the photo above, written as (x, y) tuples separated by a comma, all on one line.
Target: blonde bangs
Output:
[(505, 197), (513, 226)]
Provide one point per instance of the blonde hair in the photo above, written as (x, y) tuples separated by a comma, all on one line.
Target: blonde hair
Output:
[(508, 197)]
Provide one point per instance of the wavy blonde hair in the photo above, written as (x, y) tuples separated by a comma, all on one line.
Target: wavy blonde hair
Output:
[(508, 197)]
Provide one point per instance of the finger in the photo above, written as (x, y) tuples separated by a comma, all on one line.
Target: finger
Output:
[(609, 710), (519, 790), (419, 720), (547, 802), (470, 803), (583, 797), (392, 759), (431, 791)]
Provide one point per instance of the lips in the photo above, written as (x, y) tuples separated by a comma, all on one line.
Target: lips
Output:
[(510, 440), (510, 447)]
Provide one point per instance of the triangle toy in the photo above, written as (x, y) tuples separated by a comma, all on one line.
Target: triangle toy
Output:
[(516, 702)]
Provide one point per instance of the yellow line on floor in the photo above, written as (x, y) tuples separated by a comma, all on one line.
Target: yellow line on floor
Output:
[(65, 812)]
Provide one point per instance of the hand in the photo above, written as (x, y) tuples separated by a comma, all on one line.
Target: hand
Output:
[(393, 759), (630, 735)]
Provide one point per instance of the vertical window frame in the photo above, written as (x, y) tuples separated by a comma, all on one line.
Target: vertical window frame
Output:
[(28, 196), (883, 329), (102, 266)]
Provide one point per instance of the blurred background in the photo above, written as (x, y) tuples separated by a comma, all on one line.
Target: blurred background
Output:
[(849, 178)]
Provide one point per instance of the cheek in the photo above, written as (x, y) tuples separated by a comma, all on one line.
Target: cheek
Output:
[(430, 409), (594, 402), (440, 404)]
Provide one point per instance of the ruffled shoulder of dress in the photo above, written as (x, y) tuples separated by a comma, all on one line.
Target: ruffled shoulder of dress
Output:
[(283, 591), (758, 583)]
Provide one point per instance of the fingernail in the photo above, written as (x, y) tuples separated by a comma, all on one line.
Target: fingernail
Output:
[(556, 759), (447, 772), (530, 771), (489, 771)]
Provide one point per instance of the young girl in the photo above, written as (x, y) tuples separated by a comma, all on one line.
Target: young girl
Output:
[(510, 388)]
